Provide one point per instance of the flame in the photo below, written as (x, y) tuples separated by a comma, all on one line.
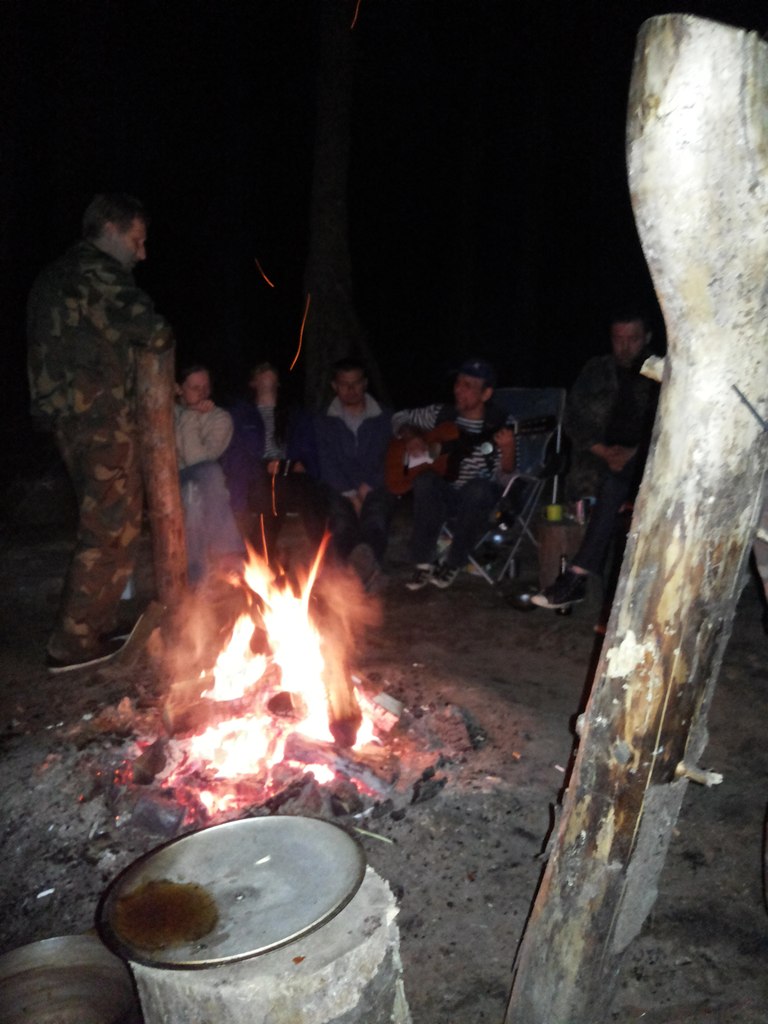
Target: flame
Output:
[(295, 662)]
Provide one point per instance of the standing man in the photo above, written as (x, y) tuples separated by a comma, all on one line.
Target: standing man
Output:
[(352, 439), (609, 417), (479, 462), (86, 316)]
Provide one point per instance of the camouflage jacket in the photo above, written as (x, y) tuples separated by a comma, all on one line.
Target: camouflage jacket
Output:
[(85, 317), (588, 413)]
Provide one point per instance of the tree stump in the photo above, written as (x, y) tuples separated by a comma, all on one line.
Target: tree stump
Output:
[(346, 972), (698, 173)]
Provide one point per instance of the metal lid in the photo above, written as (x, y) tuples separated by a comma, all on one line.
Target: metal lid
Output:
[(243, 888)]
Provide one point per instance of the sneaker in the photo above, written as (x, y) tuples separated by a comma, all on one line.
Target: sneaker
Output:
[(443, 576), (422, 574), (569, 588), (102, 653)]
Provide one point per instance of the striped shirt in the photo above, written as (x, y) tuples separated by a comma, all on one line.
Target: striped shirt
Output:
[(478, 462)]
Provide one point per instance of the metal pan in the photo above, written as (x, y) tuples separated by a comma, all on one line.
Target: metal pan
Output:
[(68, 979), (251, 886)]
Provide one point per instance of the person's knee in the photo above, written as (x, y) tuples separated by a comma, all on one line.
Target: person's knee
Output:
[(479, 493)]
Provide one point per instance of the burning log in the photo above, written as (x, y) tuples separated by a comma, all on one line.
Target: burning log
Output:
[(378, 772), (698, 166), (344, 715)]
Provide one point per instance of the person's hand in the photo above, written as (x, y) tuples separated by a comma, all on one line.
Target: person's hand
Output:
[(416, 445), (505, 439), (363, 491), (615, 456), (273, 467), (357, 503), (506, 442), (205, 405)]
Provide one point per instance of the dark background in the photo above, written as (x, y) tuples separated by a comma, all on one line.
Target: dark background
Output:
[(488, 203)]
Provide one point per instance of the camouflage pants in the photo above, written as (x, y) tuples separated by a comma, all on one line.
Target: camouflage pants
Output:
[(761, 546), (103, 462)]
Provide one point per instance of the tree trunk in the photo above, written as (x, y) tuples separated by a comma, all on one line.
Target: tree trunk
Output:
[(332, 330), (698, 171), (155, 387)]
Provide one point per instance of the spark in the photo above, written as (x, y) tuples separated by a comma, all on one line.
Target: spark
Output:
[(354, 17), (261, 271), (274, 499), (301, 332), (263, 534)]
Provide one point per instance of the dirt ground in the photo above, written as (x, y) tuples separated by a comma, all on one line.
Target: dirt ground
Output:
[(464, 859)]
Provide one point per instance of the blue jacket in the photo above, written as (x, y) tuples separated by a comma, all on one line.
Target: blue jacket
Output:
[(348, 459), (243, 461)]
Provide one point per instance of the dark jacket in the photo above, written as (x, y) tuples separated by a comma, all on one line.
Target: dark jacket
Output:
[(348, 459)]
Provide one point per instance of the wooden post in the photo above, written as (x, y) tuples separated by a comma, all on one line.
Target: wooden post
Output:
[(155, 388), (698, 172)]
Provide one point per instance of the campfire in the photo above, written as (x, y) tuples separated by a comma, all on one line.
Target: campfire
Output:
[(278, 705)]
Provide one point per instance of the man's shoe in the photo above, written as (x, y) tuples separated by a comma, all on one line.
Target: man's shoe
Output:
[(102, 653), (569, 588), (443, 576), (422, 574)]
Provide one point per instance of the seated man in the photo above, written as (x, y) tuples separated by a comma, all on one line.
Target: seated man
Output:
[(353, 437), (203, 431), (609, 417), (271, 465), (479, 461)]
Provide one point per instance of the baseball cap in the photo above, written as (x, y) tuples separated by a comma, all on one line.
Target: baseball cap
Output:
[(479, 368)]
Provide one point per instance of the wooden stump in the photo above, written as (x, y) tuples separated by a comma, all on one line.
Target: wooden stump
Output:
[(348, 971), (556, 540)]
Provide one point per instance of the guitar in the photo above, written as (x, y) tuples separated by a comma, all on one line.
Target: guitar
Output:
[(401, 469)]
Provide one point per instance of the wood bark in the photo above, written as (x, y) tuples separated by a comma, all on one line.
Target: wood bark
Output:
[(155, 391), (698, 170)]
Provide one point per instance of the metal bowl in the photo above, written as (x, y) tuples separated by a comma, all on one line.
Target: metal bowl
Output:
[(269, 881), (70, 979)]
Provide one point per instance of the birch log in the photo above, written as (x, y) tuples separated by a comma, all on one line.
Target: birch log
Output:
[(698, 170), (155, 386)]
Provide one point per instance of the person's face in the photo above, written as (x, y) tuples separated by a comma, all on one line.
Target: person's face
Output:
[(195, 389), (128, 247), (470, 395), (350, 386), (264, 383), (627, 341)]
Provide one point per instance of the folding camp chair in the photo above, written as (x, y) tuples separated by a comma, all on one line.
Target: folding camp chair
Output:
[(536, 415)]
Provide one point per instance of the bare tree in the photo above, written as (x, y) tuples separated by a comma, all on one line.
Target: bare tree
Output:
[(332, 329)]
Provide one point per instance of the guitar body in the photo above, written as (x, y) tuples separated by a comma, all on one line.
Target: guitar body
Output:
[(399, 476)]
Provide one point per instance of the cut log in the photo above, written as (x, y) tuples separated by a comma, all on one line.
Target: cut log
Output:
[(346, 972), (698, 172), (155, 393)]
